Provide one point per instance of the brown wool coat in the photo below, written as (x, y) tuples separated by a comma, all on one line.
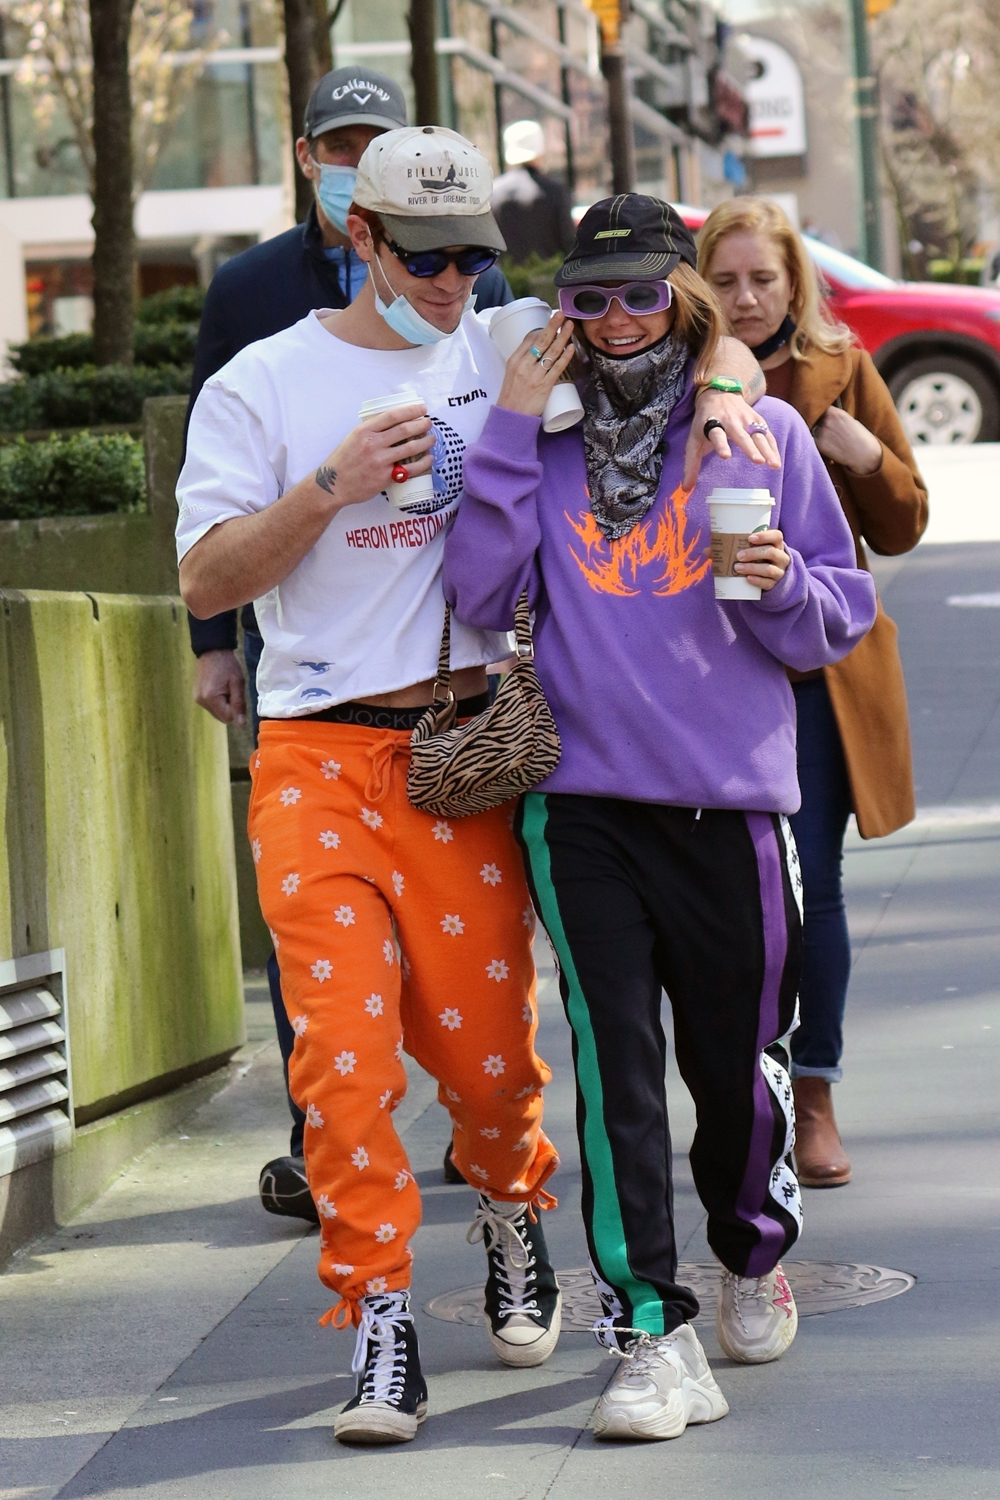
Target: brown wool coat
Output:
[(888, 510)]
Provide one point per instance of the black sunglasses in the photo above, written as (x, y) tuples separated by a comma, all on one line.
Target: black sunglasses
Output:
[(472, 261)]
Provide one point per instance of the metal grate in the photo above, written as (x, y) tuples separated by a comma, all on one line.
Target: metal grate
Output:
[(36, 1116)]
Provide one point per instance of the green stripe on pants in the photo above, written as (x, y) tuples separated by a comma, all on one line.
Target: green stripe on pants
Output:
[(607, 1228)]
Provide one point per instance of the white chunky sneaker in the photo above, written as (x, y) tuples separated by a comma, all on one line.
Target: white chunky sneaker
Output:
[(523, 1301), (391, 1398), (756, 1318), (661, 1385)]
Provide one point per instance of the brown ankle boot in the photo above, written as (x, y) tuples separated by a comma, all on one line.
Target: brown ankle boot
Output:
[(819, 1156)]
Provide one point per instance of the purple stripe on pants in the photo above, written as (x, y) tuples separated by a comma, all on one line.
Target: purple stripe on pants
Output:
[(753, 1194)]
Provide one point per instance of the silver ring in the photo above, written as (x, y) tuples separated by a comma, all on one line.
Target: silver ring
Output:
[(758, 427), (545, 361)]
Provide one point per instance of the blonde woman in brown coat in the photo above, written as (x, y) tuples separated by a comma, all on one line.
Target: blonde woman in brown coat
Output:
[(853, 730)]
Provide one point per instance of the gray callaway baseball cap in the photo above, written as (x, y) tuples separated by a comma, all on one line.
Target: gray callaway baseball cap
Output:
[(348, 96)]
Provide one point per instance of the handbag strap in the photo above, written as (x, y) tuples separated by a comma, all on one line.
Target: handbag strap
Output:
[(525, 647)]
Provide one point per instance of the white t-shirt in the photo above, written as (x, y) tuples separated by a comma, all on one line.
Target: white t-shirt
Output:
[(362, 613)]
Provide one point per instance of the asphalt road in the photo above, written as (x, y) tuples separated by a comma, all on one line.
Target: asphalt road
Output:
[(165, 1344)]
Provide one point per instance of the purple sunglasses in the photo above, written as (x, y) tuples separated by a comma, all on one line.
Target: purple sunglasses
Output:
[(638, 297)]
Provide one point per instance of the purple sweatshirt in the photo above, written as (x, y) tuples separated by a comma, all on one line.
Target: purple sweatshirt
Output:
[(660, 692)]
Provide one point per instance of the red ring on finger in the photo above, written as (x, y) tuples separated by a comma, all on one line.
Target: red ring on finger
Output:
[(400, 473)]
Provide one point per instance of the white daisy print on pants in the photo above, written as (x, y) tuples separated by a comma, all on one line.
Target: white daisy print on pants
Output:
[(326, 1207), (290, 884), (453, 926), (398, 882), (360, 1158), (402, 1178), (450, 1017), (490, 875), (300, 1025), (442, 832), (479, 1171), (345, 1063), (385, 1233), (388, 951), (491, 1133), (344, 915), (383, 1099), (290, 796), (330, 769), (497, 970), (255, 850), (377, 1284), (339, 1270), (321, 970), (314, 1118), (374, 1005), (494, 1065), (371, 819), (329, 839)]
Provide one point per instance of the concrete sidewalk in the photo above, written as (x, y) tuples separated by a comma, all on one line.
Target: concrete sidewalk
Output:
[(166, 1343)]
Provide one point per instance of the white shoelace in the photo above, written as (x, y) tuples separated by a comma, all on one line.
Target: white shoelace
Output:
[(516, 1265), (746, 1289), (381, 1326)]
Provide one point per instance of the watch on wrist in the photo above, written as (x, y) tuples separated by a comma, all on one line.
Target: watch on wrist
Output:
[(724, 383)]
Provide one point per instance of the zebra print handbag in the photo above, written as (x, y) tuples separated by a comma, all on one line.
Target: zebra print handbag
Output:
[(458, 769)]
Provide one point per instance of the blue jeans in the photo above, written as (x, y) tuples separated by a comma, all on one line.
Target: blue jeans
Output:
[(819, 828), (253, 645)]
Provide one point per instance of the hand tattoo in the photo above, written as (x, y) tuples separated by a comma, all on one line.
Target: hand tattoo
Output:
[(326, 477)]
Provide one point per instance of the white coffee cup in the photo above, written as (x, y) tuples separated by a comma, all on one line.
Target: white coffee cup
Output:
[(509, 327), (736, 516), (419, 488)]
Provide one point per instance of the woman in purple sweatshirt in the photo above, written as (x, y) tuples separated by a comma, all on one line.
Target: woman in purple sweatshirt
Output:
[(658, 851)]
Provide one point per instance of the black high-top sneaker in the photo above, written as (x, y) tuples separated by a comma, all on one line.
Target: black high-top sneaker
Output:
[(523, 1300), (391, 1399)]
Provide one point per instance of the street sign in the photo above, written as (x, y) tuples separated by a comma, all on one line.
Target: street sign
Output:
[(776, 99)]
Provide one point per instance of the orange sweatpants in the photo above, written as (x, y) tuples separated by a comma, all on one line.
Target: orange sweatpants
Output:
[(394, 930)]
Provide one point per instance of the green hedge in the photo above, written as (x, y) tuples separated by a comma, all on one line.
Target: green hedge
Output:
[(178, 304), (86, 397), (75, 476), (158, 344), (165, 334)]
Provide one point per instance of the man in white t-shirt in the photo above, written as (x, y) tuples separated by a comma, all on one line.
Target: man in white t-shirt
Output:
[(393, 928)]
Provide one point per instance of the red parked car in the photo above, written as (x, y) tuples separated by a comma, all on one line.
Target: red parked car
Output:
[(937, 346)]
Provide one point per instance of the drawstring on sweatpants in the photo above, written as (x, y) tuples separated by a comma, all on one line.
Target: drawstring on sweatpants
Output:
[(381, 754), (340, 1316)]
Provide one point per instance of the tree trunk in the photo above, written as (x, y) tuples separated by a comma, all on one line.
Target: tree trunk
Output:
[(114, 234), (308, 55), (422, 21), (619, 119)]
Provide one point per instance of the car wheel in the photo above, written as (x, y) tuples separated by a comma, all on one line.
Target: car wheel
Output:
[(944, 399)]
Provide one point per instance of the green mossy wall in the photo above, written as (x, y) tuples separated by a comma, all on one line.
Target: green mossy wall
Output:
[(117, 837)]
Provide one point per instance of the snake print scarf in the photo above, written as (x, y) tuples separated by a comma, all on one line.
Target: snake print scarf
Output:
[(626, 410)]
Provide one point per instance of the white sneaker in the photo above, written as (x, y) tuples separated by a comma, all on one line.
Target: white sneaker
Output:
[(756, 1318), (661, 1385)]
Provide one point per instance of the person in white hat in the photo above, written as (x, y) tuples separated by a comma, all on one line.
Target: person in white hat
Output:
[(395, 930), (531, 207)]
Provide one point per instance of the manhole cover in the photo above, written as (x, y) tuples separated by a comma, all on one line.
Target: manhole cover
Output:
[(820, 1286)]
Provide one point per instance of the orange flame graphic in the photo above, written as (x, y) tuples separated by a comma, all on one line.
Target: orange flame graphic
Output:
[(615, 567)]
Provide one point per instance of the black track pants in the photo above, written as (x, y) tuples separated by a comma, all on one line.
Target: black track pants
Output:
[(637, 898)]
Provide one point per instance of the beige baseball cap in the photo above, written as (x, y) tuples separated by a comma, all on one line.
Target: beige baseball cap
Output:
[(430, 187)]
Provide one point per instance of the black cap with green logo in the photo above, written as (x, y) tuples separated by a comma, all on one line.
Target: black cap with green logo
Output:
[(628, 238)]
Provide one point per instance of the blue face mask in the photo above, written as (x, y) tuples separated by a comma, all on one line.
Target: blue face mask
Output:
[(404, 319), (335, 191)]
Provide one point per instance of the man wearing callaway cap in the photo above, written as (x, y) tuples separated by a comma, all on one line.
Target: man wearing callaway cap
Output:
[(255, 294), (393, 928)]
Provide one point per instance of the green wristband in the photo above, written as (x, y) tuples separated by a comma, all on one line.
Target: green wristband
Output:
[(722, 383)]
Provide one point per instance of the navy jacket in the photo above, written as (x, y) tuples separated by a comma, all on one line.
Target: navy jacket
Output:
[(257, 293)]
